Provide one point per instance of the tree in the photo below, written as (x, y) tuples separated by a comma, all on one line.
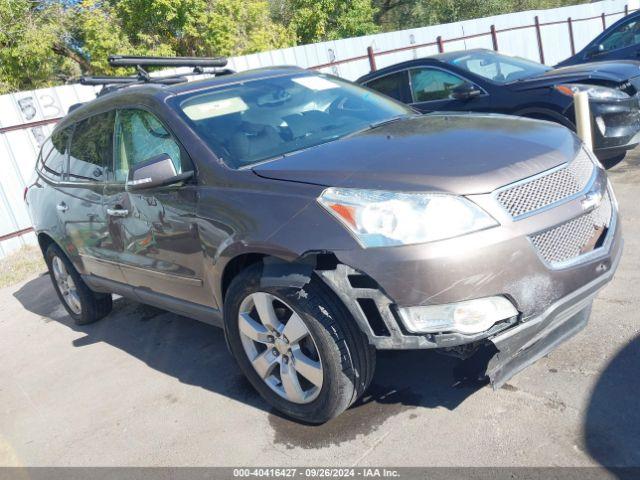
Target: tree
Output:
[(319, 20), (28, 32)]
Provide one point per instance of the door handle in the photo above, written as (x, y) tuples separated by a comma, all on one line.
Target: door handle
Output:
[(62, 207), (117, 212)]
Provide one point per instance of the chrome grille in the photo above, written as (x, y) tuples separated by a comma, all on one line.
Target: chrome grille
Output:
[(547, 189), (570, 239)]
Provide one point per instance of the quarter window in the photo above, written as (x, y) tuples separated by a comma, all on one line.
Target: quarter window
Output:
[(55, 162), (139, 137), (430, 84), (91, 148), (393, 85)]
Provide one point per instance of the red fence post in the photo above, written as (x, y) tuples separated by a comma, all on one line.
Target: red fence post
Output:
[(494, 37), (604, 21), (573, 45), (539, 35), (440, 44), (372, 59)]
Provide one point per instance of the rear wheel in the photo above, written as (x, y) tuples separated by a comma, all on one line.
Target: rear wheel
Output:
[(82, 304), (299, 348)]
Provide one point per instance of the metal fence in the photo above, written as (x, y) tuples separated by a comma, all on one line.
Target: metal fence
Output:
[(548, 36)]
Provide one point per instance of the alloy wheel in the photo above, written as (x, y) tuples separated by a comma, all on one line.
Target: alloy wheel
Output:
[(280, 347), (66, 285)]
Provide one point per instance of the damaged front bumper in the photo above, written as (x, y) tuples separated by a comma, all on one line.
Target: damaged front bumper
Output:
[(522, 345)]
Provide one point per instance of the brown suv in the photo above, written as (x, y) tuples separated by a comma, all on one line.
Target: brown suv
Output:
[(317, 221)]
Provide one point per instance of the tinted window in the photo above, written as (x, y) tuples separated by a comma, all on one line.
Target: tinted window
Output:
[(626, 35), (498, 68), (393, 85), (266, 118), (139, 137), (431, 84), (55, 162), (91, 148)]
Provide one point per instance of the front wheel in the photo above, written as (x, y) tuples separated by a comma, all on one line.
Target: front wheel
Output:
[(299, 348)]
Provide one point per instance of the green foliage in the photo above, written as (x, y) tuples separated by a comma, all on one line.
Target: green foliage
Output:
[(48, 42), (318, 20)]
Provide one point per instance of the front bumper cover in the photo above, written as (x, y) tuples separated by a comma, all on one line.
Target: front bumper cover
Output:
[(524, 344)]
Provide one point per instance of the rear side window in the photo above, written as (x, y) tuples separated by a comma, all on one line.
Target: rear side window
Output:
[(394, 85), (91, 148), (54, 154), (430, 84), (140, 136)]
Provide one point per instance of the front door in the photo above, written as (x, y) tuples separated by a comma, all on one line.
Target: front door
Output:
[(622, 43), (432, 90), (153, 233)]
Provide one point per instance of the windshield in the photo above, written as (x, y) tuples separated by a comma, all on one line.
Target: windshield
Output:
[(256, 120), (498, 68)]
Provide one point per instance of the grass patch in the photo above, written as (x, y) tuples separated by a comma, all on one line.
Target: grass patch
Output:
[(21, 265)]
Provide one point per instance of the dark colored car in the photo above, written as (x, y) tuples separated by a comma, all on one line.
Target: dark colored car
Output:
[(486, 81), (621, 41), (317, 222)]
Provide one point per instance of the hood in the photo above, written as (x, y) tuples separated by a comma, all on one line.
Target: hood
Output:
[(616, 72), (446, 152)]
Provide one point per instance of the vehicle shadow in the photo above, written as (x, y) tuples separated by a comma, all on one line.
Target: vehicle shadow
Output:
[(612, 420), (196, 354)]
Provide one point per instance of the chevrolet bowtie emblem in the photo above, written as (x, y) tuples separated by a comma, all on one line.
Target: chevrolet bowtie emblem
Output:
[(591, 201)]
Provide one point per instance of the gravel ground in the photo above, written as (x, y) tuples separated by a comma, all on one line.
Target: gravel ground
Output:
[(146, 387)]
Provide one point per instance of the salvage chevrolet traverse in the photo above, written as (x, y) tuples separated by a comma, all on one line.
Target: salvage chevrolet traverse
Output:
[(317, 221)]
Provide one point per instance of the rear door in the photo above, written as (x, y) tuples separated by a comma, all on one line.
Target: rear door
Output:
[(153, 233), (394, 85), (81, 205)]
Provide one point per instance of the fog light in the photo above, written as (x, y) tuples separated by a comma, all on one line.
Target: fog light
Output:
[(601, 125), (470, 316)]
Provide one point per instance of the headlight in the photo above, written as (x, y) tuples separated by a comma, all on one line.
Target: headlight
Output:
[(593, 91), (471, 316), (380, 219)]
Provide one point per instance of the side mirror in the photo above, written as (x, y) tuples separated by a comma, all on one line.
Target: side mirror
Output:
[(594, 50), (466, 91), (157, 171)]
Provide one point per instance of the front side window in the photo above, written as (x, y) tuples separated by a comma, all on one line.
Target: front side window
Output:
[(393, 85), (626, 35), (261, 119), (139, 137), (498, 68), (430, 84), (91, 148)]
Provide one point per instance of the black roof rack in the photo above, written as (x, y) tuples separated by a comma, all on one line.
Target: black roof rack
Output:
[(201, 65)]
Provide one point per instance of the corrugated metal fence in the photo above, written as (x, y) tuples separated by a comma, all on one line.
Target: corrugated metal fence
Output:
[(26, 118)]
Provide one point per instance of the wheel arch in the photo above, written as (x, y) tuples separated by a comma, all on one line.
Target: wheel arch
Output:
[(541, 113)]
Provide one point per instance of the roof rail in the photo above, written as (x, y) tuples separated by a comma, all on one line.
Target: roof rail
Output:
[(201, 65)]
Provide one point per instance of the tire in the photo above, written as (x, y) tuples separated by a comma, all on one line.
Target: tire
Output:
[(86, 306), (343, 353)]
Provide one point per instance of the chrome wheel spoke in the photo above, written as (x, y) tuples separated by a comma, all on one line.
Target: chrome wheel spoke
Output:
[(74, 301), (287, 365), (291, 383), (308, 368), (264, 305), (252, 329), (295, 329), (264, 363)]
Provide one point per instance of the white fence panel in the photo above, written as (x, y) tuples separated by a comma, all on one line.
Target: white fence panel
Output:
[(18, 148)]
